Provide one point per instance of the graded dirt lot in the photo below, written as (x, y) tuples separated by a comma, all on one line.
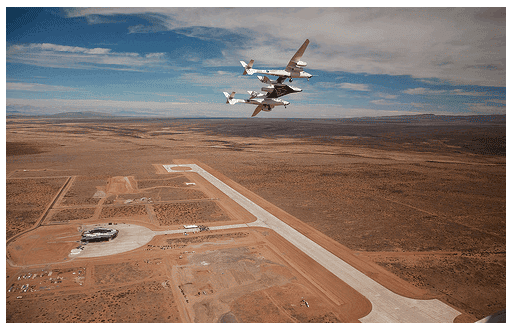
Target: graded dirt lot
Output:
[(417, 204)]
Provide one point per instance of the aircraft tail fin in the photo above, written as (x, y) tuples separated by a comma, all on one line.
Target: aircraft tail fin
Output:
[(230, 98), (248, 67), (264, 79), (257, 110), (253, 94)]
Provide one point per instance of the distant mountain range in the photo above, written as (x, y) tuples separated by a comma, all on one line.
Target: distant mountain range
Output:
[(444, 118), (81, 114), (69, 114), (420, 118), (427, 119)]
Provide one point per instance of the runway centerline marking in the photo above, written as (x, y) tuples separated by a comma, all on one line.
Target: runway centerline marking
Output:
[(386, 305)]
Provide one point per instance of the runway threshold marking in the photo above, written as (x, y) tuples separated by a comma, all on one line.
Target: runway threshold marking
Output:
[(386, 305)]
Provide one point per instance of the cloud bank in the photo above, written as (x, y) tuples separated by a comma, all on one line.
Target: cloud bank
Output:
[(459, 45), (62, 56)]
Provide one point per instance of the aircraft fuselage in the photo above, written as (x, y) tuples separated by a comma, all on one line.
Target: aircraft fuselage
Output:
[(284, 73), (267, 101)]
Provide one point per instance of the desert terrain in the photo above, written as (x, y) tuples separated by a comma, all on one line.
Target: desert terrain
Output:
[(416, 204)]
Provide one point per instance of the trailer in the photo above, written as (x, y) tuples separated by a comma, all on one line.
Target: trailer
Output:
[(190, 226)]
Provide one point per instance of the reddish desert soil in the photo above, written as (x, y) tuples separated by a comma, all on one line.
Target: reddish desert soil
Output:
[(68, 214), (28, 199), (417, 202)]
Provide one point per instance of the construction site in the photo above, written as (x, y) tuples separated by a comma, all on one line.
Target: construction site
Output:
[(160, 226)]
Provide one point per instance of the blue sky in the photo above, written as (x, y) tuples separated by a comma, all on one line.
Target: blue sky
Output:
[(178, 61)]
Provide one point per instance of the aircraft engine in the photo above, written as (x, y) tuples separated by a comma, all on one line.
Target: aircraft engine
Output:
[(301, 64), (253, 94)]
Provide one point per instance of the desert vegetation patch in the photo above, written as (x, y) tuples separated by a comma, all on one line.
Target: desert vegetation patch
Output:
[(26, 200), (154, 304), (123, 211), (83, 191), (189, 212), (66, 215)]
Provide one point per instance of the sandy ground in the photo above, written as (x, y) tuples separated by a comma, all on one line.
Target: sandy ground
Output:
[(424, 216)]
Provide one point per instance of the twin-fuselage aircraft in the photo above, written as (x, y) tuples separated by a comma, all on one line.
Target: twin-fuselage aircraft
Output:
[(265, 104), (276, 88), (294, 69)]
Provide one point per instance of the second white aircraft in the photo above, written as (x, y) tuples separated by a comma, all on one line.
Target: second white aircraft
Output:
[(264, 103), (294, 69)]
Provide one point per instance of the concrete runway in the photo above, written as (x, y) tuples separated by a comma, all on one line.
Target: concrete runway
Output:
[(386, 305)]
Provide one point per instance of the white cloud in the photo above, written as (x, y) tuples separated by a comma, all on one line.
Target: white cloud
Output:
[(386, 96), (504, 102), (62, 56), (427, 91), (468, 93), (463, 45), (37, 87), (225, 81), (483, 108), (354, 87), (424, 91), (155, 55), (383, 102), (144, 29), (61, 48), (419, 105)]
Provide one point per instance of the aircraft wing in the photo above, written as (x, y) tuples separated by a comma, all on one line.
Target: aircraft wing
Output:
[(281, 79), (296, 58), (279, 91), (257, 110)]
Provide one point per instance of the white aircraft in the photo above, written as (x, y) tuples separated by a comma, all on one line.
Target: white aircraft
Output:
[(260, 99), (294, 69)]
